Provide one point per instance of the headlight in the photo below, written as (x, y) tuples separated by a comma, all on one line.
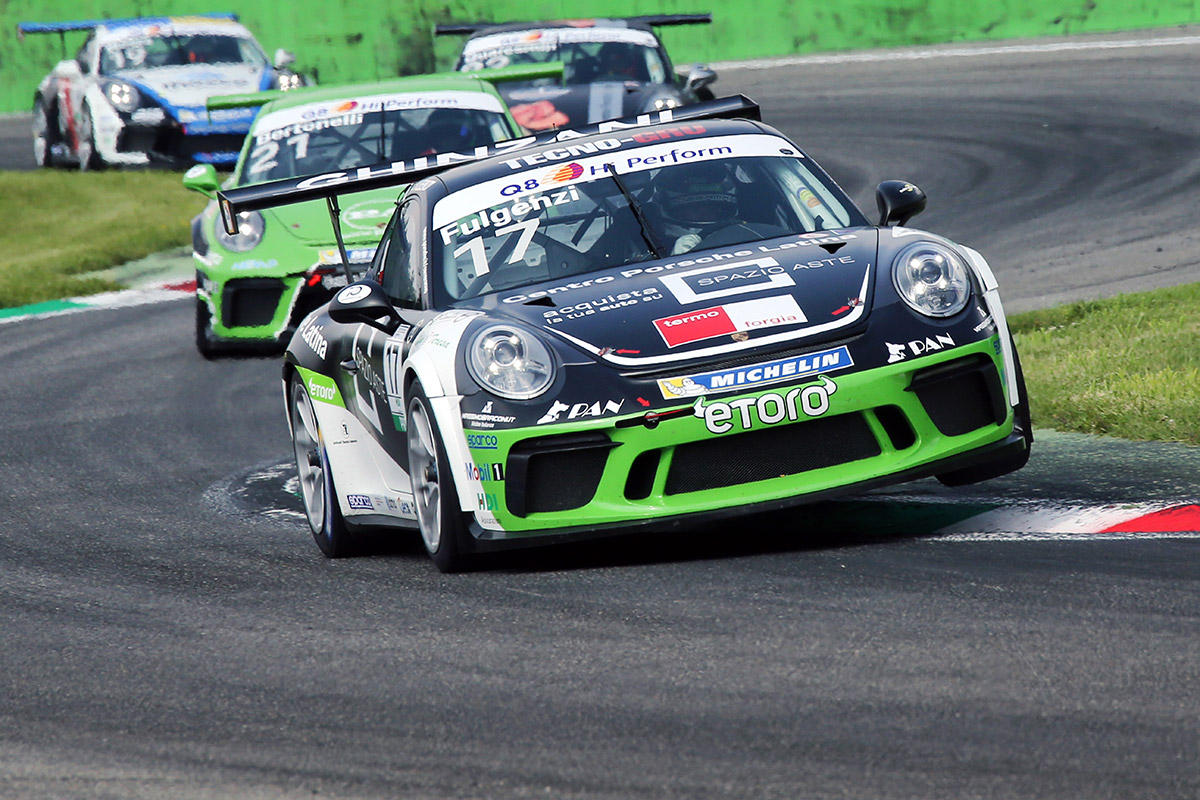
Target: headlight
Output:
[(123, 96), (932, 279), (664, 102), (509, 362), (250, 232), (286, 81)]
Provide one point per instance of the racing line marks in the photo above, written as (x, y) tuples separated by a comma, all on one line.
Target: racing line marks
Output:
[(120, 299)]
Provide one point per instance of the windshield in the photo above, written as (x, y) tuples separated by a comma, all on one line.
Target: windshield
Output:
[(345, 134), (548, 223), (149, 52), (588, 55)]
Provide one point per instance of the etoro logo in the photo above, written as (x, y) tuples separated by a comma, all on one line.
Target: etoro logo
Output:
[(749, 315), (319, 392), (767, 409)]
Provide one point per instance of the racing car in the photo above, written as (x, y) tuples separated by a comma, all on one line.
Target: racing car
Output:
[(638, 324), (252, 288), (134, 93), (612, 67)]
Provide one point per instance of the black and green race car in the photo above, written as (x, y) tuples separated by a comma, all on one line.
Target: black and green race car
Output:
[(638, 324), (254, 286)]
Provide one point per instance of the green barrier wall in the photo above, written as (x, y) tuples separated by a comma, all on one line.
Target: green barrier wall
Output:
[(346, 40)]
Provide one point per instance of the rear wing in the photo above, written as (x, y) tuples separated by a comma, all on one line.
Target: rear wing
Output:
[(88, 24), (653, 20), (520, 72), (398, 173)]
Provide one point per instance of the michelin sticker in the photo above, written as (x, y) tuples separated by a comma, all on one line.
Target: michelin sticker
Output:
[(758, 375)]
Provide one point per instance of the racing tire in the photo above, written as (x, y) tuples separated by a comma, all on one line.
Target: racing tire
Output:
[(1006, 464), (89, 159), (44, 123), (442, 523), (204, 340), (317, 488)]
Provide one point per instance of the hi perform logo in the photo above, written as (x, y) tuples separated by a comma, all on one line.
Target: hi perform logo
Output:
[(758, 375), (749, 315)]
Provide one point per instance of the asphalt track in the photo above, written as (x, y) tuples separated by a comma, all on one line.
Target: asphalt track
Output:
[(160, 639)]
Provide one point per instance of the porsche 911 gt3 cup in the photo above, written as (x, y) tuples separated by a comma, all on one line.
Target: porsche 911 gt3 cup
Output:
[(612, 67), (135, 91), (638, 324), (252, 289)]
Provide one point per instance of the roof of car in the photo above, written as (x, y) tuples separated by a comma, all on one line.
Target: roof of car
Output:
[(560, 153), (184, 24), (447, 82)]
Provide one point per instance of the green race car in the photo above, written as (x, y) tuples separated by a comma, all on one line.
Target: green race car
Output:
[(252, 288)]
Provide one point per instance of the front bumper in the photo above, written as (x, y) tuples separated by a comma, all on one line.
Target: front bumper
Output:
[(884, 425)]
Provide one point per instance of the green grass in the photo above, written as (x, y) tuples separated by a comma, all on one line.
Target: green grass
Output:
[(1128, 366), (59, 224)]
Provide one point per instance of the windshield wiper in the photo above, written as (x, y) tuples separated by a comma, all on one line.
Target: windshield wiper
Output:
[(639, 215)]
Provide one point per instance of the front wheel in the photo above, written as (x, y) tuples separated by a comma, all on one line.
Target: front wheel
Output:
[(89, 159), (43, 134), (443, 528), (204, 337), (316, 480)]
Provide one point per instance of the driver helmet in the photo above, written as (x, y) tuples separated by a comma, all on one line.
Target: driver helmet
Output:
[(696, 195), (449, 130), (616, 58)]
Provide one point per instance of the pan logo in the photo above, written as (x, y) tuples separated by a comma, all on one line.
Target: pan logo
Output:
[(580, 410), (918, 347)]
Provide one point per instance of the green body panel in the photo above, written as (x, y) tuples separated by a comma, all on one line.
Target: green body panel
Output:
[(300, 236), (321, 388), (295, 238), (856, 392)]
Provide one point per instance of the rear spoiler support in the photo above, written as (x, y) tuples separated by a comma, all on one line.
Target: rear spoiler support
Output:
[(335, 217), (398, 173)]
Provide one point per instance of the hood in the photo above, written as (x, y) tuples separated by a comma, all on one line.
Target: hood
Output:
[(544, 107), (184, 90), (812, 287), (364, 216)]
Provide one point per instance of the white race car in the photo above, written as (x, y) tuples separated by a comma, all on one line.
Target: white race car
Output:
[(135, 91)]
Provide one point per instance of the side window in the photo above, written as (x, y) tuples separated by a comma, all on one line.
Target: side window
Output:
[(375, 272), (403, 263)]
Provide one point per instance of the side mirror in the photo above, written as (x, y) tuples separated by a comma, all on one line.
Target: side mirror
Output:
[(898, 201), (202, 178), (365, 302), (698, 78), (283, 58)]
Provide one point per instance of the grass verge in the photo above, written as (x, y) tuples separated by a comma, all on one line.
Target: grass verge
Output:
[(1127, 366), (60, 224)]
